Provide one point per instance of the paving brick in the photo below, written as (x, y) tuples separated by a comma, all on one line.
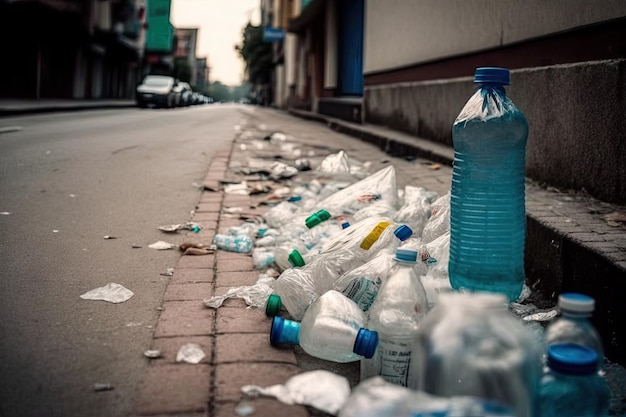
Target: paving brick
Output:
[(180, 388), (211, 197), (225, 223), (169, 347), (263, 407), (248, 347), (207, 225), (185, 318), (236, 278), (203, 236), (200, 217), (191, 276), (228, 255), (197, 262), (243, 263), (234, 200), (208, 207), (188, 292), (229, 378), (238, 320)]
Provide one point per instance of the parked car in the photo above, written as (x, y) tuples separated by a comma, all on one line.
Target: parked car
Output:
[(157, 91), (186, 94)]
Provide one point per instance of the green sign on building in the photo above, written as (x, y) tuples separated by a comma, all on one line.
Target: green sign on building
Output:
[(160, 31)]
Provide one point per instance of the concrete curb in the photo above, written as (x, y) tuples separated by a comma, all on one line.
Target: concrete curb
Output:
[(569, 244)]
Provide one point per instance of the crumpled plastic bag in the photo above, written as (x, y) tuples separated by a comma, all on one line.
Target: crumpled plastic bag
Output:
[(323, 390), (439, 221), (112, 293), (335, 164), (190, 353), (416, 209), (254, 295), (280, 170), (437, 280), (161, 245)]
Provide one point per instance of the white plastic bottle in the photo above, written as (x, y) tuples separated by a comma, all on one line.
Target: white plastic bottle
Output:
[(238, 243), (573, 325), (400, 307), (331, 329)]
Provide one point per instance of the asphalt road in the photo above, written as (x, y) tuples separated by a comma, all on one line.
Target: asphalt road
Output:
[(66, 181)]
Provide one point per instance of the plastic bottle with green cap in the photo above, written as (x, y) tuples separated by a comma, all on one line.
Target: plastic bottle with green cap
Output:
[(273, 305), (332, 329), (399, 308), (317, 218), (571, 386)]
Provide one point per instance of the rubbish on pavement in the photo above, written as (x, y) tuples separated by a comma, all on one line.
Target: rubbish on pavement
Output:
[(161, 245), (102, 387), (190, 353), (615, 219), (152, 354), (320, 389), (244, 408), (4, 213), (194, 227), (110, 237), (136, 246), (112, 293), (254, 295), (168, 273), (193, 248), (238, 243), (240, 188), (281, 171)]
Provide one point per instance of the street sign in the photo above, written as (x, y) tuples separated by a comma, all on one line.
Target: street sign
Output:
[(273, 34)]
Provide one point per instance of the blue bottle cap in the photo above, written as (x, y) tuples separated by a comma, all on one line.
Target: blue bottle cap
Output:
[(366, 343), (284, 332), (403, 232), (406, 255), (345, 225), (576, 303), (493, 75), (294, 198), (572, 359)]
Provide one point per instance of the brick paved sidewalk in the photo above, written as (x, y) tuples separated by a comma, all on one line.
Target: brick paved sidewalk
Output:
[(235, 338)]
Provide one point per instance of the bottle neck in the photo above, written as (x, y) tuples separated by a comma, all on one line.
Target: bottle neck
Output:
[(575, 314), (492, 86)]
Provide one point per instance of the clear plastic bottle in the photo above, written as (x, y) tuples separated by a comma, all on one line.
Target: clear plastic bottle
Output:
[(471, 344), (238, 243), (487, 202), (332, 329), (400, 307), (573, 325), (571, 386)]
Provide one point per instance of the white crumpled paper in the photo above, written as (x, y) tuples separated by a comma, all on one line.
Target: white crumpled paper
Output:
[(112, 292), (324, 390), (190, 353), (161, 245)]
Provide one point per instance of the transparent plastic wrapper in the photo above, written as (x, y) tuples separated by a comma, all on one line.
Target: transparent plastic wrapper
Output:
[(335, 164), (190, 353), (254, 295), (380, 186), (375, 397), (238, 243), (320, 389), (262, 257), (436, 280), (416, 208), (296, 290), (246, 229), (471, 345), (280, 214), (280, 170), (112, 293), (439, 221), (379, 208)]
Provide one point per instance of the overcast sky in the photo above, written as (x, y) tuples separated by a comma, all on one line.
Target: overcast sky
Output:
[(220, 23)]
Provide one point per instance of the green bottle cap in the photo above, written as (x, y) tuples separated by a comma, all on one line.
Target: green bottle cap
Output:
[(296, 259), (312, 221), (273, 305), (323, 215)]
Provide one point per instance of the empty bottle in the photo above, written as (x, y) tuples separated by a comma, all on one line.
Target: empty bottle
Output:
[(487, 202), (233, 243), (331, 329), (571, 386), (573, 325), (471, 344), (396, 314)]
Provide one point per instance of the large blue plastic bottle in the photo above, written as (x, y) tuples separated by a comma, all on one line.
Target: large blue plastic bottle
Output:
[(487, 202)]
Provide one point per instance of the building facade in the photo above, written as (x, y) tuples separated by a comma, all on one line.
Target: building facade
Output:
[(185, 49), (71, 48)]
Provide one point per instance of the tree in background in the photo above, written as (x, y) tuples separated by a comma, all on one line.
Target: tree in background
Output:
[(257, 55)]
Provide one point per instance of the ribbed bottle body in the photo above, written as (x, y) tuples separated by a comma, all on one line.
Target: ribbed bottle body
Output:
[(487, 202)]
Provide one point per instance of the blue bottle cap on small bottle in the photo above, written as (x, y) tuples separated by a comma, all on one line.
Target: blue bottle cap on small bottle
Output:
[(345, 225), (493, 75), (406, 255), (294, 198), (576, 303), (403, 232), (572, 359), (284, 332), (366, 343)]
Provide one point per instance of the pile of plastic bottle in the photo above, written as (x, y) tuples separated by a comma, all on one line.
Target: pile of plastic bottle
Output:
[(364, 277)]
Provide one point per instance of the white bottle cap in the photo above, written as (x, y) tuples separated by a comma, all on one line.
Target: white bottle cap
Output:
[(576, 303)]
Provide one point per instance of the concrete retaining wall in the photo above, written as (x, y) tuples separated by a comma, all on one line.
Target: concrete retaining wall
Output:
[(576, 114)]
